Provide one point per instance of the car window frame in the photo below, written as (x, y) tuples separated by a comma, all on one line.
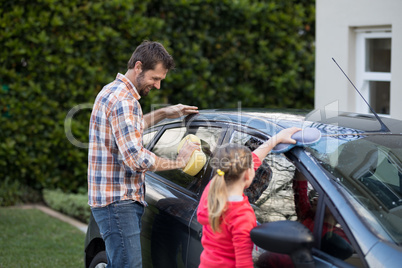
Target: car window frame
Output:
[(323, 200), (188, 125)]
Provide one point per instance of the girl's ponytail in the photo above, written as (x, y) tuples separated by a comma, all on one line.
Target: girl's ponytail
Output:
[(217, 198)]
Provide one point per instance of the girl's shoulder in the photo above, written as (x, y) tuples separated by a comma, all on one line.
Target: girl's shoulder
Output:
[(240, 218), (238, 209)]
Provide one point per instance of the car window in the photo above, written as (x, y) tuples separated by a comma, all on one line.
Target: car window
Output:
[(334, 240), (167, 145), (369, 168), (147, 138), (271, 191)]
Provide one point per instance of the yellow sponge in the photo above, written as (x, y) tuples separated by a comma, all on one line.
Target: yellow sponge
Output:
[(197, 159)]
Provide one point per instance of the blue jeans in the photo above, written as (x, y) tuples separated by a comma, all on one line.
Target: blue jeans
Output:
[(120, 225)]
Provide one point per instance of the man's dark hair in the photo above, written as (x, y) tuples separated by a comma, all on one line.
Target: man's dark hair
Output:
[(150, 54)]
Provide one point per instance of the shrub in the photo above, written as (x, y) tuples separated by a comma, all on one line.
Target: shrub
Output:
[(56, 55), (59, 54), (12, 192), (258, 52), (73, 205)]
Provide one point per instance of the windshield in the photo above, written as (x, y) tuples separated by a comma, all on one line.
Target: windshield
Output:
[(369, 167)]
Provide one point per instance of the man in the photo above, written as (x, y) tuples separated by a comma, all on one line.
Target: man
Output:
[(117, 160)]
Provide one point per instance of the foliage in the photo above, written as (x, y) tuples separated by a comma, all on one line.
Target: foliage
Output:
[(73, 205), (12, 192), (258, 52), (57, 55), (30, 238)]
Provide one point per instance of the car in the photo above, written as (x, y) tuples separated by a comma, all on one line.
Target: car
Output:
[(354, 172)]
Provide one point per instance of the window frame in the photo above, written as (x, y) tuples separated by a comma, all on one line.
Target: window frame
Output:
[(207, 172), (324, 201), (362, 76)]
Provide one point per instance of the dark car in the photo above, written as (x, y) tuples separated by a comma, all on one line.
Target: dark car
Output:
[(353, 175)]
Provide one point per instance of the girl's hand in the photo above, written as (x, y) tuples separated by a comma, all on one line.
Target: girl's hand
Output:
[(285, 135)]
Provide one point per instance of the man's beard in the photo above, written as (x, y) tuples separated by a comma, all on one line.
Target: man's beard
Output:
[(141, 89)]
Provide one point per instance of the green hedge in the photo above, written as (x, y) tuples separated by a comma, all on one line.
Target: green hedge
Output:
[(73, 205), (258, 52), (58, 54), (13, 192)]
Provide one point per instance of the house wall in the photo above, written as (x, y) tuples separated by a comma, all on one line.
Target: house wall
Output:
[(335, 38)]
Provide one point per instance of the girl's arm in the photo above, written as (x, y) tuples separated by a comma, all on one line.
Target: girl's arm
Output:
[(284, 136)]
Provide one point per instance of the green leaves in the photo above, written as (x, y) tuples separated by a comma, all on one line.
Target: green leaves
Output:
[(231, 51), (58, 54)]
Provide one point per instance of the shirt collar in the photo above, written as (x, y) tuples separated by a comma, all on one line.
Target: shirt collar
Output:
[(129, 85)]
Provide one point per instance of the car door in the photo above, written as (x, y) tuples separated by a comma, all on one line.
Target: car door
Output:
[(172, 198)]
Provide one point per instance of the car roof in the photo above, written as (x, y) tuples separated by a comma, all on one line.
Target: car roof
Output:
[(362, 122), (256, 118)]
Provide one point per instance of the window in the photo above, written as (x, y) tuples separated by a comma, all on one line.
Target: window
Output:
[(271, 191), (147, 138), (373, 69), (166, 147)]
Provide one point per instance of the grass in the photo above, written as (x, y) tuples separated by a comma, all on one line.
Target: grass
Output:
[(31, 238)]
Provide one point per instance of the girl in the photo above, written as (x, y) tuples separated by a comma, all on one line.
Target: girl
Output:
[(224, 211)]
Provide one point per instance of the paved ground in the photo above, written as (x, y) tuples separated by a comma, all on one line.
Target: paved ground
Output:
[(82, 226)]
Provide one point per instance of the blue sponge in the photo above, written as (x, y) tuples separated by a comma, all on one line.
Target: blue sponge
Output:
[(305, 137)]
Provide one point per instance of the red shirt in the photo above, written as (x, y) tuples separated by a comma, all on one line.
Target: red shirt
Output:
[(232, 246)]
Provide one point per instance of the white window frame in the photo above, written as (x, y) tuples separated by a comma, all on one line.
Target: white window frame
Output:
[(362, 77)]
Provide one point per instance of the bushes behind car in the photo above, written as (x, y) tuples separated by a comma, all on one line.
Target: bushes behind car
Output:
[(57, 55), (73, 205)]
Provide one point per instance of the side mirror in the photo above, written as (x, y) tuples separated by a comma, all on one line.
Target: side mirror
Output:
[(286, 237)]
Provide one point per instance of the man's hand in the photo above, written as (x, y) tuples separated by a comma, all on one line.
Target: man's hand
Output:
[(174, 111), (180, 110), (186, 151), (181, 161)]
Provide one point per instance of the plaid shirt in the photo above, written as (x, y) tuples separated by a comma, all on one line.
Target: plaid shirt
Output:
[(117, 160)]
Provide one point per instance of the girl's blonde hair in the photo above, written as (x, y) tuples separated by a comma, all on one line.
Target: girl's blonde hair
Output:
[(229, 163)]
